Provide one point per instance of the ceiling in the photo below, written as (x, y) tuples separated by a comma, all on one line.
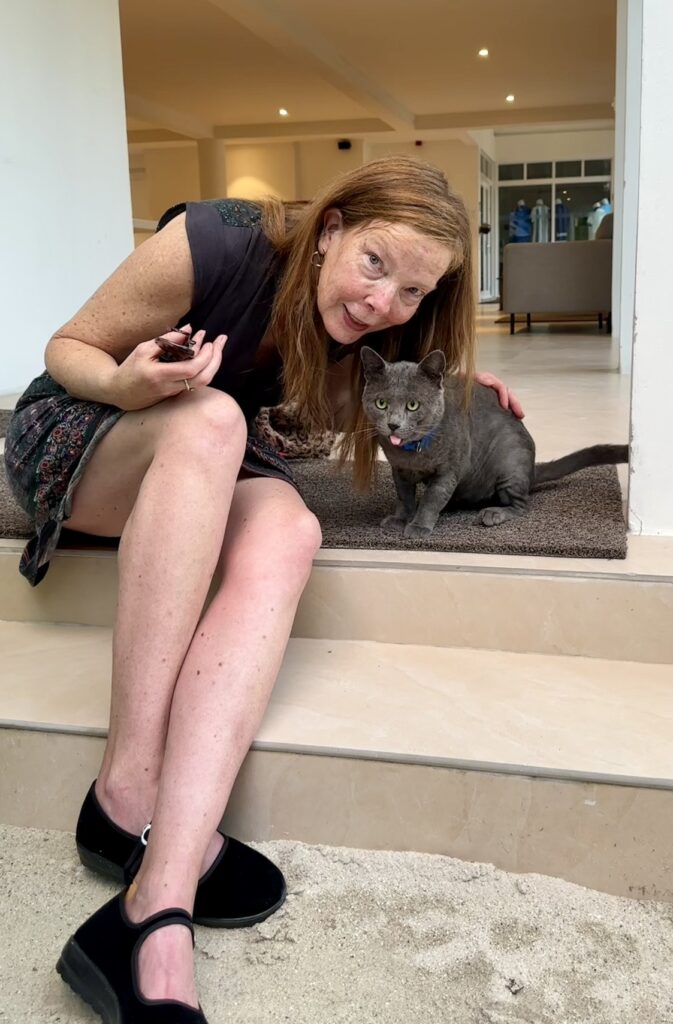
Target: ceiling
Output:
[(222, 68)]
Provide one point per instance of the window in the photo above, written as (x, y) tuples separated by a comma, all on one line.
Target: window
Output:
[(510, 172), (542, 170), (594, 168), (568, 168)]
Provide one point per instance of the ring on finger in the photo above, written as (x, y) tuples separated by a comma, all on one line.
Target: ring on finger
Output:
[(188, 386)]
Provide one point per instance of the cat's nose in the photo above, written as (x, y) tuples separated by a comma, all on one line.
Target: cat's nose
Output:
[(392, 427)]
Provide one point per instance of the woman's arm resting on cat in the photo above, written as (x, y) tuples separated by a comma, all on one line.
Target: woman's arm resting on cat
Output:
[(508, 399), (103, 353)]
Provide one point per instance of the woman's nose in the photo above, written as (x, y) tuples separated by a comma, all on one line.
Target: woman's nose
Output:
[(381, 299)]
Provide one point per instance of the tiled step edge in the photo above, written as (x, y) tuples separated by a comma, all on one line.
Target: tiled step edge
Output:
[(581, 613)]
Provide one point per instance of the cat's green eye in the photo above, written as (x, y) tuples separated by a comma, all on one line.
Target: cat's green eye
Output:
[(413, 405), (381, 404)]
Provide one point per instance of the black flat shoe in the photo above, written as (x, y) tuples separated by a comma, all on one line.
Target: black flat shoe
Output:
[(241, 888), (99, 963)]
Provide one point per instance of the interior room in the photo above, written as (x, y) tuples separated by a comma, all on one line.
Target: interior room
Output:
[(475, 730)]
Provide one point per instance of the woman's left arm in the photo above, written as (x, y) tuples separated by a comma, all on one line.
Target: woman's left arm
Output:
[(508, 399)]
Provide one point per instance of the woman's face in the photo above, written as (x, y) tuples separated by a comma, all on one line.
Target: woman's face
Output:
[(374, 277)]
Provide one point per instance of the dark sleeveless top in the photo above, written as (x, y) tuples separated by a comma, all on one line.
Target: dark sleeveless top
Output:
[(235, 278)]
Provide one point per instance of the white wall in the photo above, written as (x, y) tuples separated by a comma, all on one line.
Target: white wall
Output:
[(651, 480), (321, 161), (572, 145), (485, 139), (162, 177), (459, 161), (66, 208), (627, 173), (255, 171)]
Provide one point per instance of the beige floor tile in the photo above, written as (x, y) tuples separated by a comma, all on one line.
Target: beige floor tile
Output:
[(556, 715)]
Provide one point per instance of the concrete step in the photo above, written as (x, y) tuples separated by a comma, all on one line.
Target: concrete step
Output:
[(620, 610), (532, 762)]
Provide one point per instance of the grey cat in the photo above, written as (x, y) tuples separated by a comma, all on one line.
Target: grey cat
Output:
[(476, 457)]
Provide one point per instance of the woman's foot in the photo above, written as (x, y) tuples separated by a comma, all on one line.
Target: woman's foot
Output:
[(165, 960), (132, 811), (134, 972), (237, 886)]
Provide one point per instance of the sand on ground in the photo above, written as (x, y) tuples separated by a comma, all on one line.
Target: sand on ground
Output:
[(398, 938)]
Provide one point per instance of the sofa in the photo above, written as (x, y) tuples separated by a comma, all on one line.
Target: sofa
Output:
[(558, 277)]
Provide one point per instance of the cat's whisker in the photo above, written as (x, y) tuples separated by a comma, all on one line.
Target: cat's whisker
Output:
[(367, 431)]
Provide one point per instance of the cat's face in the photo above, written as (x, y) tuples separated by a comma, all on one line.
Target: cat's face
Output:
[(403, 401)]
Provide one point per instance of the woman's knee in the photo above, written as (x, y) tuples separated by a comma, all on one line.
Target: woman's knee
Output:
[(280, 544), (205, 419), (305, 538)]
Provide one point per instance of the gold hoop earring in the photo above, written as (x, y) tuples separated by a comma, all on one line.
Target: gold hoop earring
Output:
[(316, 263)]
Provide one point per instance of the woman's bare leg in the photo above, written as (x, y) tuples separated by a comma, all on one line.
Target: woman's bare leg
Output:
[(163, 478), (220, 697), (171, 542)]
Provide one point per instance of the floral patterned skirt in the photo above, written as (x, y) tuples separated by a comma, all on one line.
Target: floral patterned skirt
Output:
[(50, 439)]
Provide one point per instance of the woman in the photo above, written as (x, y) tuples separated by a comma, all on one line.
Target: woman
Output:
[(120, 443)]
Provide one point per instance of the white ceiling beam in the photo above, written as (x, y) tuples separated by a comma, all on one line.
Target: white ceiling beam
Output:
[(165, 117), (299, 43), (515, 116), (289, 131)]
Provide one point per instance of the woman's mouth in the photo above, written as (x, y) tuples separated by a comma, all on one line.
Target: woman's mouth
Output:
[(353, 323)]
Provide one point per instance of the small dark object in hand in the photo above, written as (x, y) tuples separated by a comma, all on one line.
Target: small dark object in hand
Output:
[(172, 352)]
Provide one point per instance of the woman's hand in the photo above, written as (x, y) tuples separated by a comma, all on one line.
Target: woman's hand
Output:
[(141, 380), (508, 399)]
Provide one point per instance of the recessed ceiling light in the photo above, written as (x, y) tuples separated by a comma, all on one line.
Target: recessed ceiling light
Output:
[(510, 98), (483, 52), (283, 112)]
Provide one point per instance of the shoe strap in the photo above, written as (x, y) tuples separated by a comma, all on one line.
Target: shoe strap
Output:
[(175, 915), (133, 863)]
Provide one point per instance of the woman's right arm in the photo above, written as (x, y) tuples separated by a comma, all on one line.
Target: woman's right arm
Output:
[(106, 352)]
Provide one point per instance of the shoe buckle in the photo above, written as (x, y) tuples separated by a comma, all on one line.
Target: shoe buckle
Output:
[(145, 833)]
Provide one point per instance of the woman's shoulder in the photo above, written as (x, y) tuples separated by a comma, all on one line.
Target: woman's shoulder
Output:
[(238, 213), (235, 213)]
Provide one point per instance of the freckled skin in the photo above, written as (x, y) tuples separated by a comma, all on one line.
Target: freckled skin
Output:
[(379, 274)]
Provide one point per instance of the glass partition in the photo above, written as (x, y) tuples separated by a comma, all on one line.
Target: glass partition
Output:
[(525, 213), (579, 208)]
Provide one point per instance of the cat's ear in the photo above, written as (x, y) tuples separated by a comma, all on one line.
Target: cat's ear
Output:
[(373, 363), (434, 365)]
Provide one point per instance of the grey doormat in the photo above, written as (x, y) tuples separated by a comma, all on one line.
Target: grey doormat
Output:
[(579, 517)]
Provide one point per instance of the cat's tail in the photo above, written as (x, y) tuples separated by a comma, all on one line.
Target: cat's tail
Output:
[(597, 455)]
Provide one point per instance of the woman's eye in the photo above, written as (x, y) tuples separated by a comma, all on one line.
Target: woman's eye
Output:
[(381, 404), (373, 259), (416, 293), (413, 405)]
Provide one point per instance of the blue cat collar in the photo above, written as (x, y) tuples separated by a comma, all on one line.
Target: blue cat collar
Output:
[(419, 446)]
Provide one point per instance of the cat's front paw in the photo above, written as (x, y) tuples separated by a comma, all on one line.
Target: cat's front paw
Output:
[(393, 524), (494, 516), (415, 532)]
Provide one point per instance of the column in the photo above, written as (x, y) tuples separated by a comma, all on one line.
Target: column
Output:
[(626, 173), (651, 480), (213, 168), (64, 175)]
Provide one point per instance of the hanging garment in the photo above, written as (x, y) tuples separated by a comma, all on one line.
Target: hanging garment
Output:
[(520, 225), (540, 218), (594, 219), (562, 221)]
